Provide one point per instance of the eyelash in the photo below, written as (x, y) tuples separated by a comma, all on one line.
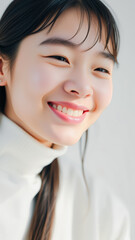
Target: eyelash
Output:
[(63, 59), (103, 70), (60, 58)]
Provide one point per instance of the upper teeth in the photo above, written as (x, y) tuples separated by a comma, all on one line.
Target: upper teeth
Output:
[(69, 111)]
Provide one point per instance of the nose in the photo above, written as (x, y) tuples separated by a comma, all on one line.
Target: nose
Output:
[(79, 86)]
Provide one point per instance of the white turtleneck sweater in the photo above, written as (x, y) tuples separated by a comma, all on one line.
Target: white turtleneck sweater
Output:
[(101, 217)]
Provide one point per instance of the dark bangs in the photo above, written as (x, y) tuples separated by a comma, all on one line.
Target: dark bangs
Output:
[(105, 20), (23, 18)]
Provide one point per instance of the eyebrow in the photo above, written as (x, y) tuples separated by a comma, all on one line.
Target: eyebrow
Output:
[(58, 41), (67, 43), (107, 55)]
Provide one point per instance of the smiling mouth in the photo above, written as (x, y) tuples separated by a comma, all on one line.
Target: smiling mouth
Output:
[(68, 110)]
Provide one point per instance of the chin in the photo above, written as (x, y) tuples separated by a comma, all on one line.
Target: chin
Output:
[(62, 136), (66, 140)]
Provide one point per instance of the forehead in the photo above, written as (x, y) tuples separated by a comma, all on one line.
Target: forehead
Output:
[(72, 25)]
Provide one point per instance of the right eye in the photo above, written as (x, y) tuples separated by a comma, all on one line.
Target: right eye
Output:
[(59, 58)]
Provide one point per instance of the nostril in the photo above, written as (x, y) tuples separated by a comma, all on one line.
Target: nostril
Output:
[(74, 91)]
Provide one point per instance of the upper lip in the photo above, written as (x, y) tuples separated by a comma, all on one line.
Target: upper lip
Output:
[(70, 105)]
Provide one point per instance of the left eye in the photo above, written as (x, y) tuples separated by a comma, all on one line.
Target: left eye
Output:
[(103, 70), (60, 58)]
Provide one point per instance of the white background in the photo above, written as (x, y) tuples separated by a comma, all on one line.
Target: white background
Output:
[(111, 148)]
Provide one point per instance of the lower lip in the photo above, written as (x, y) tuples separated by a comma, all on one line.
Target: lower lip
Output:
[(67, 118)]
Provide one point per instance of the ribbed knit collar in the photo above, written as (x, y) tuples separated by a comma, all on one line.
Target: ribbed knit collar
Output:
[(22, 154)]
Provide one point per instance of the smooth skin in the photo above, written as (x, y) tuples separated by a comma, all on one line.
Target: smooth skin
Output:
[(76, 76)]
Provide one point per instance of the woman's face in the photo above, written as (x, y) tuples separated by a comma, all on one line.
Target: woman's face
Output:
[(57, 90)]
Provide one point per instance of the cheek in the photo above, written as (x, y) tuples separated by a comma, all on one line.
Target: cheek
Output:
[(39, 81), (29, 87), (42, 80), (104, 94)]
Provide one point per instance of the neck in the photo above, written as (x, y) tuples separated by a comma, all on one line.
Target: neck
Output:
[(22, 153)]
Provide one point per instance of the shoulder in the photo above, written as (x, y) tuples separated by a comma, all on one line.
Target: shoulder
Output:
[(100, 191), (104, 195), (111, 211), (107, 213)]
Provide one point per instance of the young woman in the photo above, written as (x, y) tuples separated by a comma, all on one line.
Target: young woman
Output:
[(56, 63)]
